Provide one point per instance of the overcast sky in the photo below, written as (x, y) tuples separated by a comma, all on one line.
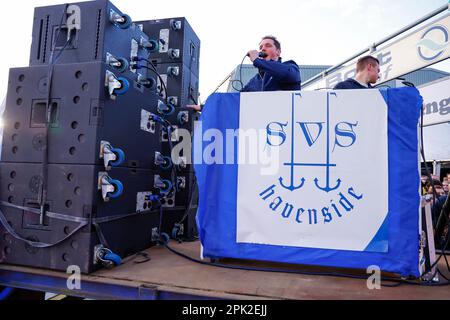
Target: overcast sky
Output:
[(311, 32)]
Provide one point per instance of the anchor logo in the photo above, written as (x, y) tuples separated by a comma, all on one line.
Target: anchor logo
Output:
[(292, 164), (328, 165), (344, 134)]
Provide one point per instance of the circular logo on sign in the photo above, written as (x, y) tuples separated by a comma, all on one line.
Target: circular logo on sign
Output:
[(433, 43)]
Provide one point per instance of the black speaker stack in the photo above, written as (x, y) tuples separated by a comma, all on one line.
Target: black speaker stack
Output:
[(87, 172)]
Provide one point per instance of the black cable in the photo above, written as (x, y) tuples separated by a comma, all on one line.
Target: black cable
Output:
[(168, 126), (43, 188), (174, 176), (422, 151), (408, 84), (191, 196), (193, 98), (160, 216), (443, 276), (173, 173), (441, 255), (396, 281), (155, 71), (220, 85), (446, 262), (190, 79), (189, 206), (163, 84), (446, 235), (240, 77), (42, 196)]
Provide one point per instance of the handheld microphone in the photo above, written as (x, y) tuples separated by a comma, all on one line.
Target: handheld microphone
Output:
[(261, 55)]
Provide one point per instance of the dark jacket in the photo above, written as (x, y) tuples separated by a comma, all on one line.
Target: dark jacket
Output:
[(437, 207), (350, 84), (274, 76)]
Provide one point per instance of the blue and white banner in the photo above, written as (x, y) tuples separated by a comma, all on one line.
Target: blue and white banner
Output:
[(319, 178)]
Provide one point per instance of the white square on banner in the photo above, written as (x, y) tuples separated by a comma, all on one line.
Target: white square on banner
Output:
[(330, 189)]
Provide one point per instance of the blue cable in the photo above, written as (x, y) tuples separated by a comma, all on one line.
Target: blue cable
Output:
[(5, 293), (114, 258)]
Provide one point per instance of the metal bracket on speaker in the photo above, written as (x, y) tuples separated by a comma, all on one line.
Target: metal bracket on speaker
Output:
[(112, 83), (164, 162), (149, 82), (144, 201), (165, 109), (114, 17), (174, 53), (169, 201), (110, 188), (181, 183), (106, 257), (181, 162), (147, 122), (106, 154), (113, 157), (155, 234), (163, 185), (173, 100), (104, 185), (123, 21), (120, 64), (150, 45), (159, 158), (98, 253), (164, 35), (183, 117), (173, 71), (175, 24), (174, 136), (161, 83)]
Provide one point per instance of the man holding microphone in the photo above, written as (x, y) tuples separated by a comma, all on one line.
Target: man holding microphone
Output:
[(273, 74)]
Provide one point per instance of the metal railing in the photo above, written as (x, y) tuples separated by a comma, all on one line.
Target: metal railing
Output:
[(373, 47)]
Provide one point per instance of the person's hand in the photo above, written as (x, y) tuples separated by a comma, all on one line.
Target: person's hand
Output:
[(196, 107), (253, 54)]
